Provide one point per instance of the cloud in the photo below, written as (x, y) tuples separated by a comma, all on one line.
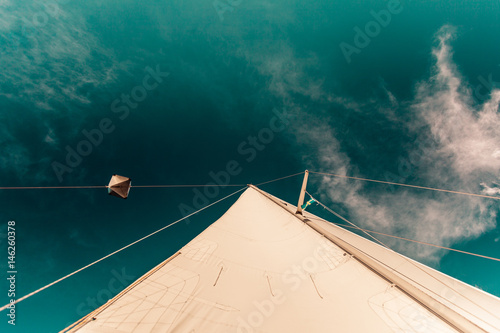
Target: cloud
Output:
[(495, 189), (462, 155), (457, 147), (469, 137), (49, 56), (51, 66), (442, 140)]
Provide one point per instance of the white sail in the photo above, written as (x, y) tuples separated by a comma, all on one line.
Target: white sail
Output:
[(263, 268)]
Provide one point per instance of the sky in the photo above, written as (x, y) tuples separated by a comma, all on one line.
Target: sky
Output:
[(180, 92)]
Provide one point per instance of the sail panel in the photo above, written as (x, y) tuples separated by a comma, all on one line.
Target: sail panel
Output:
[(475, 305), (261, 269)]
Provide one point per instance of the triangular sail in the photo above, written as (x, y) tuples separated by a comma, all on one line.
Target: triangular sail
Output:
[(261, 268)]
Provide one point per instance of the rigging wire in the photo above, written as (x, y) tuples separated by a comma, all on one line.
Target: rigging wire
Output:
[(407, 185), (418, 242), (46, 187), (366, 231), (174, 186), (105, 186), (274, 180), (119, 250), (141, 186), (346, 220)]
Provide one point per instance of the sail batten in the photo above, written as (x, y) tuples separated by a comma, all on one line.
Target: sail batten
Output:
[(263, 268)]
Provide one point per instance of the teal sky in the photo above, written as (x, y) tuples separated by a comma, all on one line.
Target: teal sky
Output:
[(169, 92)]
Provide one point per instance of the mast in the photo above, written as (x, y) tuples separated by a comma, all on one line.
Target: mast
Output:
[(302, 193)]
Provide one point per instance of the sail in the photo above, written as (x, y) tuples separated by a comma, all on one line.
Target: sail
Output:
[(119, 186), (263, 268)]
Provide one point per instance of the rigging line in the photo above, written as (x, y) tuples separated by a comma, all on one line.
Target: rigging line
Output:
[(274, 180), (143, 186), (408, 185), (346, 220), (46, 187), (416, 241), (206, 185), (119, 250), (105, 186)]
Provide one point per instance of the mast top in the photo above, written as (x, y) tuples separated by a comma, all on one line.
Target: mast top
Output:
[(302, 193)]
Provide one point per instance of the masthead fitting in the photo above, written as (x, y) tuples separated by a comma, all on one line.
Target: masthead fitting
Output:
[(302, 193)]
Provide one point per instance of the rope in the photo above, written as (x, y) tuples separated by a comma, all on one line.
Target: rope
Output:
[(267, 182), (420, 242), (408, 185), (366, 231), (175, 186), (140, 186), (119, 250), (102, 186), (46, 187), (346, 220), (274, 180)]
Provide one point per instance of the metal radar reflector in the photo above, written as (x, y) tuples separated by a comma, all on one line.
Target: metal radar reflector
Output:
[(119, 186)]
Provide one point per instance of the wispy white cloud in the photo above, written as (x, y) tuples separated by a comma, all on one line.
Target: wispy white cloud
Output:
[(288, 76), (469, 137), (51, 64), (49, 56), (493, 190), (463, 154)]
